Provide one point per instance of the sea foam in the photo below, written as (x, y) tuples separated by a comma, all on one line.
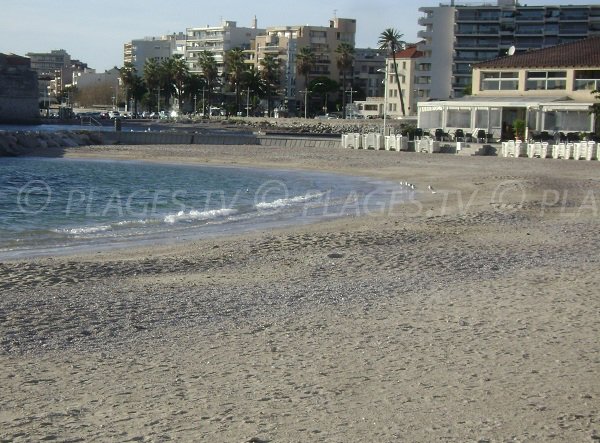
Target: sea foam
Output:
[(283, 202), (194, 215)]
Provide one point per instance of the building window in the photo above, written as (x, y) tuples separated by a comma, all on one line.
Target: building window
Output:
[(587, 80), (546, 80), (499, 81)]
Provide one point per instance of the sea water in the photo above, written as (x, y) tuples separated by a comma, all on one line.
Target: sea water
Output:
[(54, 205)]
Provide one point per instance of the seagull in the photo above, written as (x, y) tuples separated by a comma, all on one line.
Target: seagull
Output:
[(431, 189)]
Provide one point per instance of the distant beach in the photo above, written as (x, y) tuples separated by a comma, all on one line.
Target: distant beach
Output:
[(469, 313)]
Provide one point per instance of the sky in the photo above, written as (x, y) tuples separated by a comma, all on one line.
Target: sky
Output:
[(94, 31)]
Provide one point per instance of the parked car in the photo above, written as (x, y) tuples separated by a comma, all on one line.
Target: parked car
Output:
[(113, 114)]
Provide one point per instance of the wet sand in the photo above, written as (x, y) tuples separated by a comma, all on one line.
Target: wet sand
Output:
[(470, 315)]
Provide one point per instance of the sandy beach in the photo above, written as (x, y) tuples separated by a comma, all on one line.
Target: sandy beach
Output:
[(469, 315)]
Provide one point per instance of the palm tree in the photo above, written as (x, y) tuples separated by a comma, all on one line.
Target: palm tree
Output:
[(178, 74), (235, 67), (390, 39), (210, 72), (270, 74), (345, 61), (194, 86), (253, 83), (152, 77), (128, 73), (305, 62)]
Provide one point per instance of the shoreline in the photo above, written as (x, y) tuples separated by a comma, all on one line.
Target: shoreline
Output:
[(471, 316), (368, 196)]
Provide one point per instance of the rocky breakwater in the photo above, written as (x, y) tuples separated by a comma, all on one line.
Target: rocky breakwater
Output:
[(316, 126), (14, 143)]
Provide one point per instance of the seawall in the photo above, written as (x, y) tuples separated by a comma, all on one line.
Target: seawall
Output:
[(20, 143)]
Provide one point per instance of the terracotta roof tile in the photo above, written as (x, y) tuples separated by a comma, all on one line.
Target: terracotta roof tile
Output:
[(410, 52), (581, 53)]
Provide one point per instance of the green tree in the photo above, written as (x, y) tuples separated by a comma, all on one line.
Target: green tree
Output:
[(176, 74), (253, 83), (270, 73), (210, 71), (324, 86), (345, 61), (234, 68), (194, 88), (390, 40), (133, 84)]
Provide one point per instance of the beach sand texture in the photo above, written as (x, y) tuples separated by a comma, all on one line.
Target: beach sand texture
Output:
[(472, 315)]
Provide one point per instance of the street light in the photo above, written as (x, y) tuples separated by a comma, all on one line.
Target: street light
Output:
[(248, 102), (351, 91), (158, 100), (305, 102), (385, 95)]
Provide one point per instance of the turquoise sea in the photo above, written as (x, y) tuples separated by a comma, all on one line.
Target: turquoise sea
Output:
[(57, 205)]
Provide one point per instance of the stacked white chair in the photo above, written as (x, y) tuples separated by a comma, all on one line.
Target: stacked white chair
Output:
[(427, 145), (508, 148), (592, 150), (568, 151), (579, 150), (558, 151), (534, 149), (520, 148), (546, 150), (372, 140), (396, 143), (351, 141)]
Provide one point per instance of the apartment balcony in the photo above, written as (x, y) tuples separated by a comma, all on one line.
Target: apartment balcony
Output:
[(574, 18), (318, 40), (472, 45), (425, 46), (424, 34), (424, 21)]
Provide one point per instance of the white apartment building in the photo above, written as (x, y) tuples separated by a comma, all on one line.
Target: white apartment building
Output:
[(160, 48), (218, 39), (457, 36)]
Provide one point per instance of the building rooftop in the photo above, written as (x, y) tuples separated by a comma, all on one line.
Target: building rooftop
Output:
[(410, 52), (14, 60), (583, 53)]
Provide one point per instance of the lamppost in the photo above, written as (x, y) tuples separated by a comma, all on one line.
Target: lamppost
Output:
[(248, 102), (325, 105), (305, 102), (385, 95), (158, 100), (351, 91)]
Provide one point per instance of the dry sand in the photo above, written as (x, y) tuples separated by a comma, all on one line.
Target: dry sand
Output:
[(473, 316)]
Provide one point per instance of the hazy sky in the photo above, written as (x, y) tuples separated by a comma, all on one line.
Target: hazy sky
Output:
[(94, 31)]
